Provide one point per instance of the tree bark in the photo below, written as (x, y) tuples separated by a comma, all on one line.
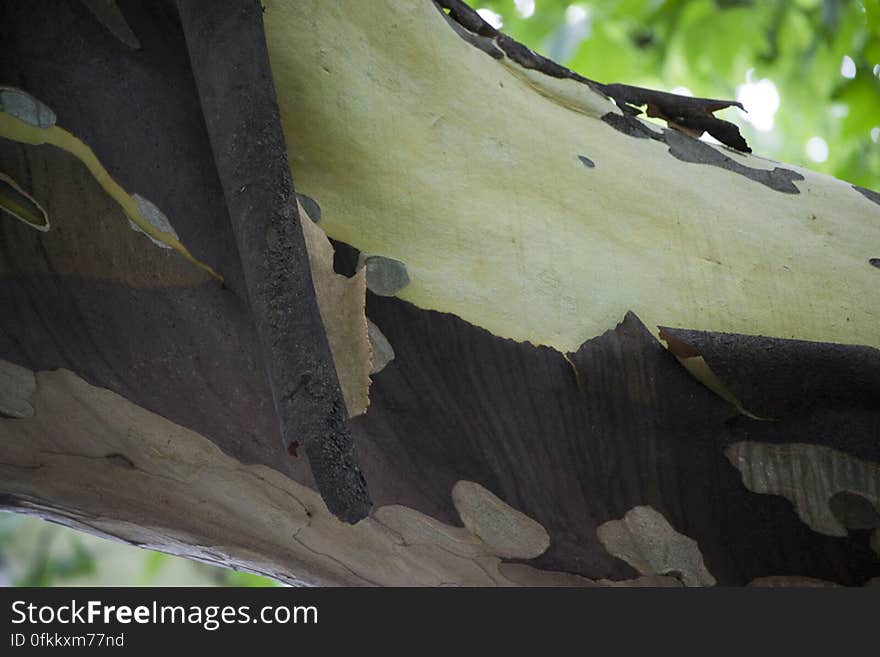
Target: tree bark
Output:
[(605, 352)]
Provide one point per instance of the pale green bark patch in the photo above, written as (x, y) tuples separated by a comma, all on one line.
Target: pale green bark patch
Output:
[(21, 205), (465, 173)]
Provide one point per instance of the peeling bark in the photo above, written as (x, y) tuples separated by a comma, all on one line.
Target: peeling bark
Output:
[(517, 407), (492, 194), (693, 116), (691, 150)]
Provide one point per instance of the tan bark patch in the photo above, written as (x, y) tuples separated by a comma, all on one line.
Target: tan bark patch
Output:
[(341, 303), (808, 476), (507, 531), (647, 542)]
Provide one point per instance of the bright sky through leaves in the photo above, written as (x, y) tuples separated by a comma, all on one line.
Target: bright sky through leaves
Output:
[(761, 100), (525, 8), (491, 17), (817, 149)]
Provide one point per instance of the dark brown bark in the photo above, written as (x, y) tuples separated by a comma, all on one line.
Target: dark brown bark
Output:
[(576, 444)]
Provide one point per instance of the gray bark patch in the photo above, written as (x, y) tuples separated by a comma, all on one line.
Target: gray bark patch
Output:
[(647, 542), (688, 149), (26, 108), (854, 511), (121, 460), (156, 218), (587, 162), (385, 276), (507, 531), (383, 352), (810, 476), (310, 205), (630, 126)]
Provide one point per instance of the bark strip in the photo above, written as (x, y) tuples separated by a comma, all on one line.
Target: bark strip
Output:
[(230, 64)]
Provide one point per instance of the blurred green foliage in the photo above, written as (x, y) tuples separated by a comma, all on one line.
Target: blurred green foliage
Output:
[(38, 553), (711, 46)]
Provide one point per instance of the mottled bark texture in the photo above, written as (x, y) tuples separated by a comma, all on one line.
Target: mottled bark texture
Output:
[(577, 440), (150, 132), (571, 441)]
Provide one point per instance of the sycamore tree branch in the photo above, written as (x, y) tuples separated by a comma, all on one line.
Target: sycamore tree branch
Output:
[(506, 215)]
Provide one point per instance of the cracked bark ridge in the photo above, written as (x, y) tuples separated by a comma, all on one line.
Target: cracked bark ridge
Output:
[(241, 113), (692, 116)]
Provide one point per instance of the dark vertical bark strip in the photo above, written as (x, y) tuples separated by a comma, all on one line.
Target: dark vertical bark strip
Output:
[(230, 63)]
